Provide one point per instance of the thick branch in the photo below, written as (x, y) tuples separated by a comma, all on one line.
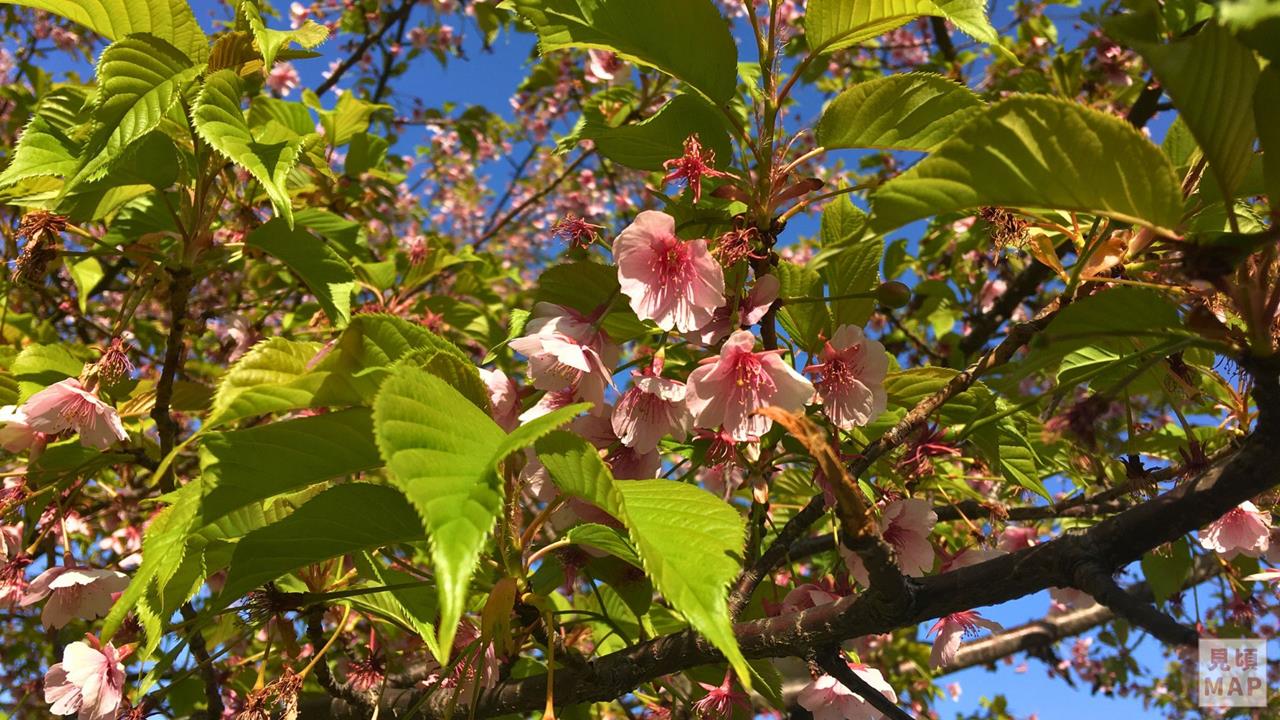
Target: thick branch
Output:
[(1097, 581)]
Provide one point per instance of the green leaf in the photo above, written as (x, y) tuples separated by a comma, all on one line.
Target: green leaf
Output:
[(85, 273), (1167, 570), (39, 366), (42, 151), (1266, 107), (271, 377), (221, 123), (1211, 79), (339, 521), (163, 549), (648, 144), (246, 466), (689, 541), (585, 286), (349, 117), (853, 261), (911, 111), (605, 539), (1038, 152), (328, 276), (169, 20), (309, 35), (834, 24), (140, 79), (807, 322), (439, 449), (687, 39)]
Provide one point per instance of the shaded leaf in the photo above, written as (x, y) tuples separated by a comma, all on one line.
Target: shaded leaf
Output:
[(911, 111)]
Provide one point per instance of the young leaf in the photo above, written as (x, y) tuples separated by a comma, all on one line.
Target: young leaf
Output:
[(854, 263), (221, 123), (42, 151), (169, 20), (689, 540), (271, 377), (912, 111), (309, 35), (341, 520), (245, 466), (1211, 79), (834, 24), (328, 276), (1038, 152), (687, 39), (439, 448), (140, 79)]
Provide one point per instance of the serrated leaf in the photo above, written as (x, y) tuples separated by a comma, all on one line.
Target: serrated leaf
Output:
[(348, 117), (271, 377), (807, 323), (220, 122), (687, 39), (328, 276), (439, 448), (308, 35), (169, 20), (689, 540), (1038, 152), (341, 520), (834, 24), (853, 261), (1211, 79), (241, 467), (605, 539), (910, 111), (140, 79), (42, 151)]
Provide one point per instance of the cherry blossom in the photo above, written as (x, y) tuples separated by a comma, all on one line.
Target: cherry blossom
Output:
[(89, 682), (751, 309), (1243, 530), (651, 409), (74, 592), (805, 596), (1015, 537), (504, 398), (696, 163), (626, 463), (68, 405), (951, 629), (1063, 599), (828, 699), (729, 388), (602, 65), (904, 524), (16, 434), (567, 350), (720, 701), (673, 282), (850, 378), (282, 79)]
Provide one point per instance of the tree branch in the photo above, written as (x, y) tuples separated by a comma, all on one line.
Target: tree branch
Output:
[(406, 6), (834, 664), (180, 284)]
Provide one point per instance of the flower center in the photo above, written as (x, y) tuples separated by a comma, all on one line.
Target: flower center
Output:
[(671, 260)]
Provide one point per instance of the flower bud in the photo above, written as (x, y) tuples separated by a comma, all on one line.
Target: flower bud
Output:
[(893, 294)]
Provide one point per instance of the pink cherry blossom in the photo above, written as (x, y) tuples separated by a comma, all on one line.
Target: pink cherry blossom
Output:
[(729, 388), (567, 350), (67, 405), (673, 282), (89, 682), (602, 65), (1244, 530), (904, 524), (850, 378), (695, 163), (16, 434), (1014, 538), (651, 409), (1062, 600), (626, 463), (282, 79), (806, 596), (970, 556), (74, 592), (722, 479), (951, 629), (828, 699), (720, 701), (751, 310), (504, 398)]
